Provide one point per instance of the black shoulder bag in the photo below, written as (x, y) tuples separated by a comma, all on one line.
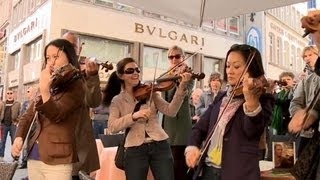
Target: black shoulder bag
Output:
[(119, 158)]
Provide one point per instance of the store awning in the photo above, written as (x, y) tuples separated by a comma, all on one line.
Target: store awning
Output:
[(190, 10)]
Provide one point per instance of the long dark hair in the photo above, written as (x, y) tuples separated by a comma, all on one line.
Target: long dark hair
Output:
[(113, 86), (255, 68), (67, 48)]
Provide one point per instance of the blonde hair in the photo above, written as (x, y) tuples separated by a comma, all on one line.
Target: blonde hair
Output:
[(177, 48), (312, 48)]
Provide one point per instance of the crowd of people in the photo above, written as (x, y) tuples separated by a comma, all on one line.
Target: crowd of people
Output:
[(220, 133)]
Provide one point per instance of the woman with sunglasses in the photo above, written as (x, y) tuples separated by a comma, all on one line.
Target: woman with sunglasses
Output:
[(233, 150), (52, 145), (146, 143)]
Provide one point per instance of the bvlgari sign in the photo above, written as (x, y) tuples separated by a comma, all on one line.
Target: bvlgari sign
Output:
[(29, 27), (168, 34)]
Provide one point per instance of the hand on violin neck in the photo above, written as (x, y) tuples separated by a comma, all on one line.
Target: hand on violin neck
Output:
[(185, 77), (251, 91), (92, 68)]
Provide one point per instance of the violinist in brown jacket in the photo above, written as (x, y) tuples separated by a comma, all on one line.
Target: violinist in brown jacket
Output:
[(53, 145)]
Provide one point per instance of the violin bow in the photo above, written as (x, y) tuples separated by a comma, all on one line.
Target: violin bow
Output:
[(209, 137), (155, 56), (180, 63), (80, 51)]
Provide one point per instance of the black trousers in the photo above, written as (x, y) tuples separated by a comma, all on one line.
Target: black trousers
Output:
[(179, 163)]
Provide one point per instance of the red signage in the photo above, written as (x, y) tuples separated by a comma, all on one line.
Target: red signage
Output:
[(3, 34)]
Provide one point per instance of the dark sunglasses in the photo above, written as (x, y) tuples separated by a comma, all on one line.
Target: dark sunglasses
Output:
[(177, 56), (28, 91), (131, 70), (9, 93)]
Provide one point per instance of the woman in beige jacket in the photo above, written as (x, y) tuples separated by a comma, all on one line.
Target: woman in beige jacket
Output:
[(146, 143)]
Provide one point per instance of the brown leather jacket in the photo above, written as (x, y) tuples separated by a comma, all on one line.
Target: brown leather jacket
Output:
[(57, 118)]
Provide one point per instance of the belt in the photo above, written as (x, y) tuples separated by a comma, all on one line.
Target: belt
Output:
[(148, 140)]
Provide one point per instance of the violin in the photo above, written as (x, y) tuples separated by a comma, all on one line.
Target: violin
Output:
[(63, 77), (261, 85), (105, 65), (143, 91)]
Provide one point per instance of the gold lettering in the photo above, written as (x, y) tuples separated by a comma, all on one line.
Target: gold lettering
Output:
[(139, 28), (194, 40), (160, 33), (184, 38), (151, 31), (166, 34), (172, 35)]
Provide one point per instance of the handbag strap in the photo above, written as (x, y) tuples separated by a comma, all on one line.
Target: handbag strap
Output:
[(136, 108)]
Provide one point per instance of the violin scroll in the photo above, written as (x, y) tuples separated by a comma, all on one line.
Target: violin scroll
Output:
[(105, 65)]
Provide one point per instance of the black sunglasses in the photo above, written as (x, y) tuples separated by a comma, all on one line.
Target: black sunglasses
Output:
[(177, 56), (131, 70), (9, 93)]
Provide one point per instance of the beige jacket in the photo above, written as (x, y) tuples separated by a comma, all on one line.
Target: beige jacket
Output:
[(121, 109)]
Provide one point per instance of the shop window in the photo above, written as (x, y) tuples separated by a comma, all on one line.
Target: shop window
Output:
[(279, 52), (15, 63), (286, 52), (103, 49), (222, 25), (210, 65), (208, 25), (271, 48), (150, 57), (293, 56), (35, 50), (104, 2), (300, 63), (126, 8), (234, 25)]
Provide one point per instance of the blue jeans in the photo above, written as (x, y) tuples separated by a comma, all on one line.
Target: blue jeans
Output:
[(156, 155), (98, 127), (5, 130)]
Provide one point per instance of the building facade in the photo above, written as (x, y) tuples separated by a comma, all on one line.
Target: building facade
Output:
[(283, 40), (4, 29), (112, 31)]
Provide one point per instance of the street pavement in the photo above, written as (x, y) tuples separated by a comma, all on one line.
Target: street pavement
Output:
[(20, 173)]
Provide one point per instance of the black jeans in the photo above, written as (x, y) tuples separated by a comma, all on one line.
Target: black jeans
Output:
[(210, 173), (156, 155), (180, 166)]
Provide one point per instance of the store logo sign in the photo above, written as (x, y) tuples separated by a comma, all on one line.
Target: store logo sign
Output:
[(168, 34)]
